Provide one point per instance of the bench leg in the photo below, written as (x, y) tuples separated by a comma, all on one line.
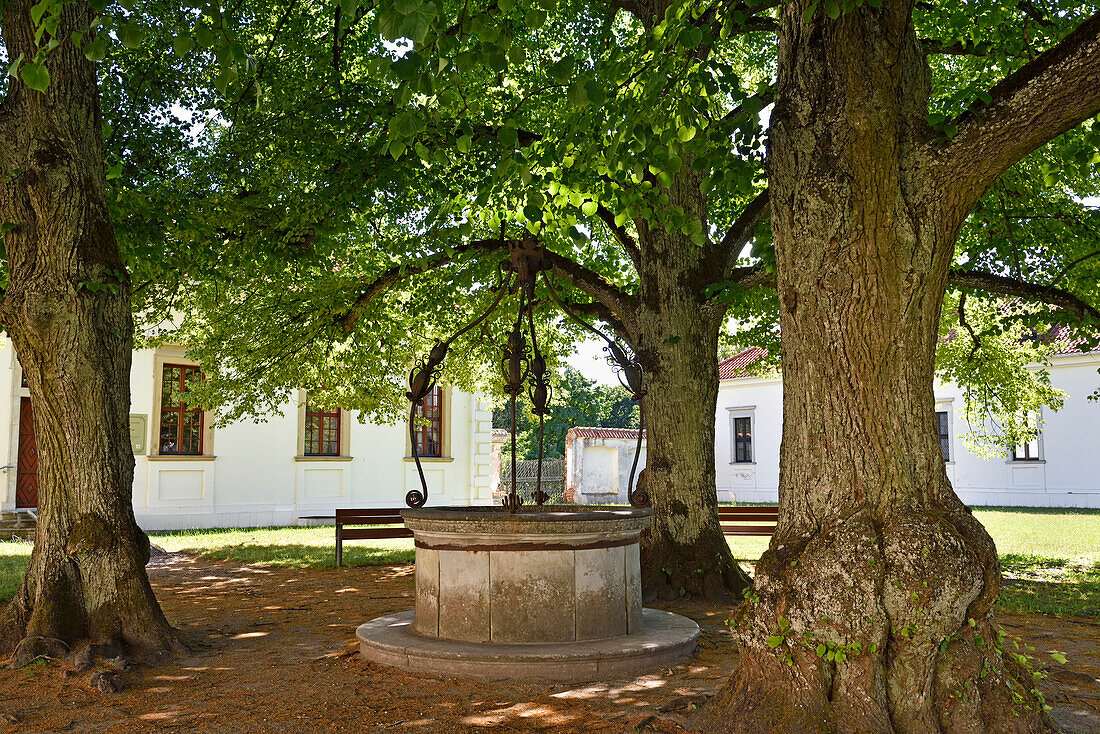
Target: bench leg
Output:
[(339, 548)]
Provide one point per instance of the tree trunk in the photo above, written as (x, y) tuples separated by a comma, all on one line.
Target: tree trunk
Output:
[(872, 606), (67, 310), (684, 551)]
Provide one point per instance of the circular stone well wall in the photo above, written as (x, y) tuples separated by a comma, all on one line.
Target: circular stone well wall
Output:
[(552, 592), (555, 574)]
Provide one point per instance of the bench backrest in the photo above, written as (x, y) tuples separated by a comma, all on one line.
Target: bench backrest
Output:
[(370, 516), (764, 513)]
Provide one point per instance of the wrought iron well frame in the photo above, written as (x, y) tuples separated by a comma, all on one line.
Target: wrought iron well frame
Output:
[(522, 368)]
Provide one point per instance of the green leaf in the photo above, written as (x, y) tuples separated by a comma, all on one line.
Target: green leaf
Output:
[(589, 207), (404, 124), (832, 9), (114, 171), (1059, 657), (578, 96), (407, 6), (13, 68), (495, 58), (96, 50), (533, 213), (182, 45), (534, 19), (389, 23), (775, 640), (517, 55), (508, 137), (685, 133), (417, 23), (821, 650), (35, 76), (463, 144), (38, 10), (204, 36), (405, 68), (130, 34)]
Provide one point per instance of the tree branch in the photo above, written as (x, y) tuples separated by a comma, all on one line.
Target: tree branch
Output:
[(620, 304), (738, 235), (392, 276), (936, 46), (1045, 98), (629, 245), (597, 310), (1050, 295)]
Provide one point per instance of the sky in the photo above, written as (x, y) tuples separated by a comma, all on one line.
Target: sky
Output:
[(590, 359)]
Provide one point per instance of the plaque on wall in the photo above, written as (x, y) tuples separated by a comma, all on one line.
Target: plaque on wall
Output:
[(139, 423)]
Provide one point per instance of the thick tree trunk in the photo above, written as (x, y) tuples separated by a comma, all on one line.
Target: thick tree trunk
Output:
[(684, 552), (872, 606), (67, 310)]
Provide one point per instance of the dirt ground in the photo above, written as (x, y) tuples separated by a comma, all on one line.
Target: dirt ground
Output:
[(272, 651)]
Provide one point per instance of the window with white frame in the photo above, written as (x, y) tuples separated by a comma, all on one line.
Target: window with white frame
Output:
[(943, 430), (741, 438), (1030, 451)]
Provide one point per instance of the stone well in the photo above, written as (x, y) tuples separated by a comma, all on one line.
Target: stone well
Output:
[(552, 592)]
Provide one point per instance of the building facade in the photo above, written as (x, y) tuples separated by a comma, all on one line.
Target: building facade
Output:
[(598, 462), (1059, 469), (302, 462)]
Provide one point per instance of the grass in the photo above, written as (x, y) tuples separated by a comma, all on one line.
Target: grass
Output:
[(1050, 556), (290, 547)]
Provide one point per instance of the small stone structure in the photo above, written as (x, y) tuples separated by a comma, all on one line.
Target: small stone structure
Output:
[(552, 592), (597, 464)]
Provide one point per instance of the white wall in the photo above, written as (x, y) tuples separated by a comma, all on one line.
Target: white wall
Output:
[(1067, 476), (255, 475), (597, 470)]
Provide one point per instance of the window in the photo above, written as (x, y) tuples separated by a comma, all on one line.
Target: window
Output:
[(180, 424), (322, 431), (1029, 451), (428, 425), (943, 427), (742, 440)]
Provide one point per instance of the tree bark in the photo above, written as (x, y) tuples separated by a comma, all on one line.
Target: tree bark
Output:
[(676, 337), (67, 311), (872, 606)]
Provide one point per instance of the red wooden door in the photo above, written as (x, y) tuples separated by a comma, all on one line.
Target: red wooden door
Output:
[(26, 481)]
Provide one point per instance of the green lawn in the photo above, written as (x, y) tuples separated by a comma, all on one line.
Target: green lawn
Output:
[(1051, 557)]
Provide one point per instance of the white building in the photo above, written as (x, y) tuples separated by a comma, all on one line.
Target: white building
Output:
[(302, 462), (1059, 469), (597, 464)]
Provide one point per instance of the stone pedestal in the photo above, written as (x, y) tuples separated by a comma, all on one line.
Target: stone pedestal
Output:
[(550, 592)]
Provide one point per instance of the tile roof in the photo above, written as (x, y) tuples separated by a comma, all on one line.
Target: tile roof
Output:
[(1062, 341), (598, 432), (735, 366)]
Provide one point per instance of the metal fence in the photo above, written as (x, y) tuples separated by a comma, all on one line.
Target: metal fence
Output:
[(553, 479)]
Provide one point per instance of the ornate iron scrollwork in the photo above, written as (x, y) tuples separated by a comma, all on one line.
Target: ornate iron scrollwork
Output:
[(523, 366)]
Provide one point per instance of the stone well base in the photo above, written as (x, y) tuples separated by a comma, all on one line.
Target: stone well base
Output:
[(666, 639)]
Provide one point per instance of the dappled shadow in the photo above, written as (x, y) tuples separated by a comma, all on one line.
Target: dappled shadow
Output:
[(1050, 585), (305, 556)]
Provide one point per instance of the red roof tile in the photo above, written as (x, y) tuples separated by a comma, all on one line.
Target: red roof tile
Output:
[(597, 432), (735, 365)]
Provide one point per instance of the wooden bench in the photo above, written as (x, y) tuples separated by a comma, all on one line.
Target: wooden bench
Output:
[(389, 518), (750, 520)]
